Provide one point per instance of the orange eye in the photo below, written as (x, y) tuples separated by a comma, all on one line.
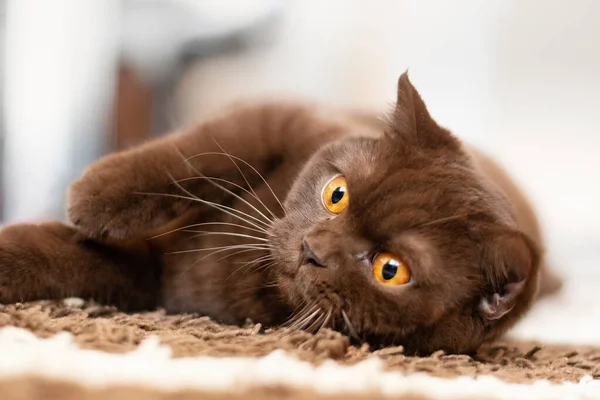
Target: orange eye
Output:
[(335, 194), (390, 270)]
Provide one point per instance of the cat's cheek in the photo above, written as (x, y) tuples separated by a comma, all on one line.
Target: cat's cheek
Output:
[(286, 245), (286, 260)]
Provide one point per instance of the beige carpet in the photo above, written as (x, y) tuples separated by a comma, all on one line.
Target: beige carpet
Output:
[(108, 330)]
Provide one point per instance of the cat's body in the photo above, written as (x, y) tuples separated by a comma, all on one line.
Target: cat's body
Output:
[(127, 246)]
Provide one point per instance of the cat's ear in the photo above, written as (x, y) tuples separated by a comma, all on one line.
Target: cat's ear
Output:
[(411, 123), (510, 263)]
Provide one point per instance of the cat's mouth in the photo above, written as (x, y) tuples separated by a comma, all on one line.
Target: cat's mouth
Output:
[(316, 302)]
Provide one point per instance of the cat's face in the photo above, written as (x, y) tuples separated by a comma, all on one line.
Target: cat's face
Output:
[(398, 239)]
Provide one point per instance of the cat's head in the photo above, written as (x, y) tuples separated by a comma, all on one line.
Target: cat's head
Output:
[(399, 239)]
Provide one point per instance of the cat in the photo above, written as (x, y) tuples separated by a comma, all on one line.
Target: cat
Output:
[(290, 214)]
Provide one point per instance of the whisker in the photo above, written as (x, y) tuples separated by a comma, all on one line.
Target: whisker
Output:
[(251, 263), (249, 165), (267, 224), (305, 320), (217, 250), (250, 193), (327, 318), (187, 161), (312, 327), (212, 182), (246, 265), (350, 327), (266, 257), (254, 288), (183, 228), (295, 315), (237, 246), (266, 266), (218, 233), (246, 180), (220, 207), (293, 320), (301, 325), (228, 255)]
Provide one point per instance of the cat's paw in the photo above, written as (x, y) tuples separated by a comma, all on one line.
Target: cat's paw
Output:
[(108, 201)]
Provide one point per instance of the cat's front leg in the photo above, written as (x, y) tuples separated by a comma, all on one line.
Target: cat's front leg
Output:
[(52, 261), (126, 194)]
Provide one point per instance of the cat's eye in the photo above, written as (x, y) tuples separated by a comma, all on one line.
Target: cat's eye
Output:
[(390, 270), (335, 194)]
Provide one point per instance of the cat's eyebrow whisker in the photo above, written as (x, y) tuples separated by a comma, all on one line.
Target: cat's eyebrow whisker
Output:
[(242, 173), (267, 224), (217, 185), (246, 163), (213, 178), (252, 193), (350, 327), (232, 158), (220, 207), (187, 161)]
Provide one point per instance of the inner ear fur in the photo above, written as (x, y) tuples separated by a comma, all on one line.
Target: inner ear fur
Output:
[(510, 263)]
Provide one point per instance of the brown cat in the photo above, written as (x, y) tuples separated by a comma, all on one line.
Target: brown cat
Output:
[(393, 233)]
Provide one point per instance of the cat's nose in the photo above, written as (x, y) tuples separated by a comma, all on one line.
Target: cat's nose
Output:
[(309, 256)]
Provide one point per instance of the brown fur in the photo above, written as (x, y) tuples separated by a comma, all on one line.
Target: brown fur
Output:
[(414, 189)]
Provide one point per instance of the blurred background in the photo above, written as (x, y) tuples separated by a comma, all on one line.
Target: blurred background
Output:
[(518, 78)]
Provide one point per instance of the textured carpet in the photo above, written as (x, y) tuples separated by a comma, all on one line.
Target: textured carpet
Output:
[(106, 329)]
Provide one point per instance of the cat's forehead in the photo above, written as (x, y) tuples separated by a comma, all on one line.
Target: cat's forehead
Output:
[(378, 164), (402, 187), (357, 157)]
